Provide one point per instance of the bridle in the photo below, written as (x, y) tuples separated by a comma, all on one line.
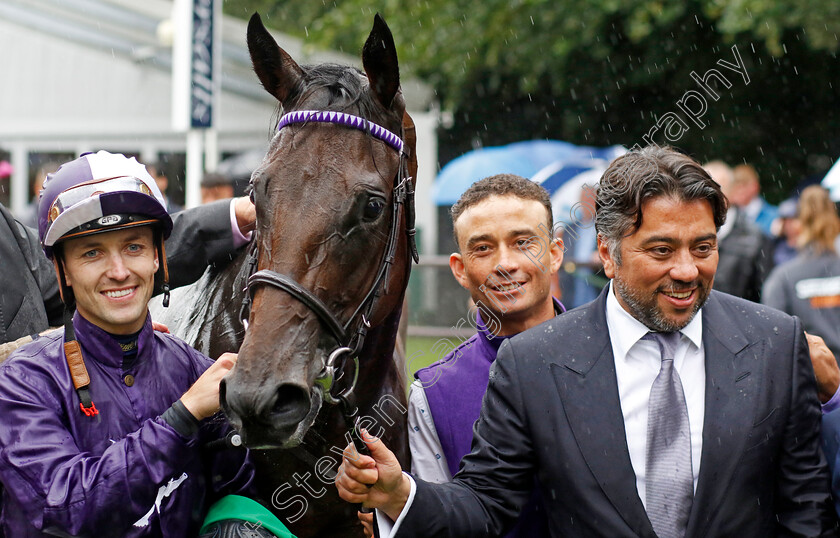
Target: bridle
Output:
[(349, 341)]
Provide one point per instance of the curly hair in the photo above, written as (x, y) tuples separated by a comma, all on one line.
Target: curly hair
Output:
[(643, 174)]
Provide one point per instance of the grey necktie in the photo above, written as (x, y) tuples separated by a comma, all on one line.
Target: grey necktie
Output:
[(669, 482)]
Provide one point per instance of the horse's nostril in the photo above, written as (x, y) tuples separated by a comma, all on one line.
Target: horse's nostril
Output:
[(291, 405)]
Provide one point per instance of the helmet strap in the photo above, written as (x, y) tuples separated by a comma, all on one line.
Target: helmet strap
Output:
[(78, 371), (161, 249), (64, 290)]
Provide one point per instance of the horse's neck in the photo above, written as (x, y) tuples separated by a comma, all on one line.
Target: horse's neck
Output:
[(377, 357), (381, 391), (213, 326)]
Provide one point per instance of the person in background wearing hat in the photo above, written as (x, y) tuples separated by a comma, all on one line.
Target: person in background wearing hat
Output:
[(786, 229), (214, 187), (105, 424), (29, 299)]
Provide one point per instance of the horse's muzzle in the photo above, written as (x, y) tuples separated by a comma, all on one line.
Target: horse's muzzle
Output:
[(269, 417)]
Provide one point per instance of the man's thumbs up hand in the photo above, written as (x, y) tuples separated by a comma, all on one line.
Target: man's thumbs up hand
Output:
[(375, 481)]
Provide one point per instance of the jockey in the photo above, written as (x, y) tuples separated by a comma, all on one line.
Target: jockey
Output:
[(29, 297), (105, 427)]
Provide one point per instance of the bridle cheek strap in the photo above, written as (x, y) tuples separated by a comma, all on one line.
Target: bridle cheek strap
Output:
[(289, 285), (349, 345)]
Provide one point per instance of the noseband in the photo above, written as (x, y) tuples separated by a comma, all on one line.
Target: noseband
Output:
[(349, 341)]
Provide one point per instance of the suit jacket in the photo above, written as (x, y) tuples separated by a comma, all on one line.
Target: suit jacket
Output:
[(552, 409), (745, 260)]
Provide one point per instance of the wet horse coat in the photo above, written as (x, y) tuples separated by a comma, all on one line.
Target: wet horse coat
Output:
[(325, 198)]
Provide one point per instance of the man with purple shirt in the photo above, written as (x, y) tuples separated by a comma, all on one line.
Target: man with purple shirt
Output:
[(506, 260), (104, 426)]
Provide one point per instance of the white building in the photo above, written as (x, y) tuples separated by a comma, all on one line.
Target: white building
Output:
[(84, 75)]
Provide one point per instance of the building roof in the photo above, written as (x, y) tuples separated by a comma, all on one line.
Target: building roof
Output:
[(44, 35)]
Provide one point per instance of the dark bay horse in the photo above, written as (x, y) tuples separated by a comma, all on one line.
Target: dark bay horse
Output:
[(326, 277)]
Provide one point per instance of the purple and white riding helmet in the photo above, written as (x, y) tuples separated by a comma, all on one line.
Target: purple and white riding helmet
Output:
[(96, 193)]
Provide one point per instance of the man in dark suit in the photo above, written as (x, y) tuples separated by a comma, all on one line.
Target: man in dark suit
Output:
[(745, 253), (637, 416)]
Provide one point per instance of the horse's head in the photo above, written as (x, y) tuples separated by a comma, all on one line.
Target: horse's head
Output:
[(327, 227)]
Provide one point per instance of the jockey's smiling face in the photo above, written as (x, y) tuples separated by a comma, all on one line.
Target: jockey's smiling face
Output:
[(112, 277), (506, 261)]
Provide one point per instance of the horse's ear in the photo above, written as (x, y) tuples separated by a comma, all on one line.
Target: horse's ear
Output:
[(379, 58), (279, 73)]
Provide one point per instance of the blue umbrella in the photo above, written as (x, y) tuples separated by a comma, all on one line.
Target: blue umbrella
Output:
[(832, 181), (521, 158), (564, 179)]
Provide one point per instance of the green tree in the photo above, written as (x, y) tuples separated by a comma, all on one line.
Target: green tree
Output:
[(602, 72)]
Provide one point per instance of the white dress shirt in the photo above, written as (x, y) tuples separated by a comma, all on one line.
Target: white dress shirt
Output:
[(428, 461), (637, 363)]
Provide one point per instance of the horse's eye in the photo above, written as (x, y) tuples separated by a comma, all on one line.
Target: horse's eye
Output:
[(373, 209)]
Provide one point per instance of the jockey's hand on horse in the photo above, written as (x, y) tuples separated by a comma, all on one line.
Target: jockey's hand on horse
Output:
[(202, 399), (376, 481)]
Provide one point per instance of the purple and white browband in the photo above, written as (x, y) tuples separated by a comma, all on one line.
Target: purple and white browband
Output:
[(347, 120)]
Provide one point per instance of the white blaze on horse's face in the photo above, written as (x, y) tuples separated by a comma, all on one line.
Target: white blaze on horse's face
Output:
[(324, 210)]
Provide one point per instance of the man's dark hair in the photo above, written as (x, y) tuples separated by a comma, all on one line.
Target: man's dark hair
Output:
[(644, 174), (501, 185)]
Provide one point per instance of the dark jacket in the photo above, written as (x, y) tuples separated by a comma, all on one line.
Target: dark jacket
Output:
[(29, 298), (552, 411), (125, 472), (745, 260)]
